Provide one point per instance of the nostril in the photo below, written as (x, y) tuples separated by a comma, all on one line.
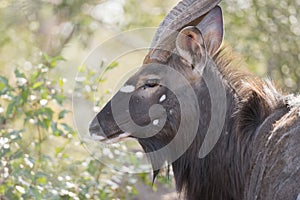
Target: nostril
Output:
[(95, 131), (94, 128)]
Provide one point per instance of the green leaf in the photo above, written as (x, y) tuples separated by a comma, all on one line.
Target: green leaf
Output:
[(59, 58), (58, 133), (15, 135), (112, 66), (59, 98), (37, 85), (32, 193), (93, 167), (45, 57), (62, 114), (44, 93), (4, 86), (4, 80), (53, 64), (60, 82), (35, 76), (59, 150), (45, 123), (55, 130), (48, 112), (67, 128), (11, 108), (53, 61), (42, 180), (10, 193), (16, 155), (18, 74), (45, 116), (24, 96), (54, 126)]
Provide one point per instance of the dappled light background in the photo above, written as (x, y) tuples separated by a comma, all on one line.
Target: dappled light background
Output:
[(43, 47)]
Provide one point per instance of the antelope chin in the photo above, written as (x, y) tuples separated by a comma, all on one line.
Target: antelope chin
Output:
[(112, 139)]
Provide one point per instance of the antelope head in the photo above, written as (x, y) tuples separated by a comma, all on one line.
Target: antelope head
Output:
[(163, 93)]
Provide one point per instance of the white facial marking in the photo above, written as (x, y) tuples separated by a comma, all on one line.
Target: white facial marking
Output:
[(97, 137), (123, 135), (155, 122), (162, 98), (117, 139), (127, 88)]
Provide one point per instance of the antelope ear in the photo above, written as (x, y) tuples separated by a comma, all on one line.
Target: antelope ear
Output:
[(212, 29), (193, 43), (190, 46)]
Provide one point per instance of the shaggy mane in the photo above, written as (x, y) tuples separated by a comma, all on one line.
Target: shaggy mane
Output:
[(256, 98), (252, 100)]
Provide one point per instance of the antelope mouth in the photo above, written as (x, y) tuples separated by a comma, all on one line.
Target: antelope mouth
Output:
[(114, 138), (98, 134)]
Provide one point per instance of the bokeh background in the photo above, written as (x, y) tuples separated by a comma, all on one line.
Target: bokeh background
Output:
[(43, 44)]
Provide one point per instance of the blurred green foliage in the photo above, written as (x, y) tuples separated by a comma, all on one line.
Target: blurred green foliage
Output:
[(34, 165), (267, 33), (36, 132), (41, 157)]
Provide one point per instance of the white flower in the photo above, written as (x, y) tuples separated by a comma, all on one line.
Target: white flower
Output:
[(32, 121), (12, 137), (32, 97), (20, 189), (21, 81), (6, 97), (40, 66), (43, 102), (40, 188), (54, 192), (112, 184), (23, 182), (6, 172), (70, 185), (3, 142), (28, 162), (44, 70)]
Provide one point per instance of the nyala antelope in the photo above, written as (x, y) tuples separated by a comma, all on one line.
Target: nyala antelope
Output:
[(257, 154)]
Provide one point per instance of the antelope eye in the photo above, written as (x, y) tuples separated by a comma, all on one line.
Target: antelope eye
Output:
[(150, 83)]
